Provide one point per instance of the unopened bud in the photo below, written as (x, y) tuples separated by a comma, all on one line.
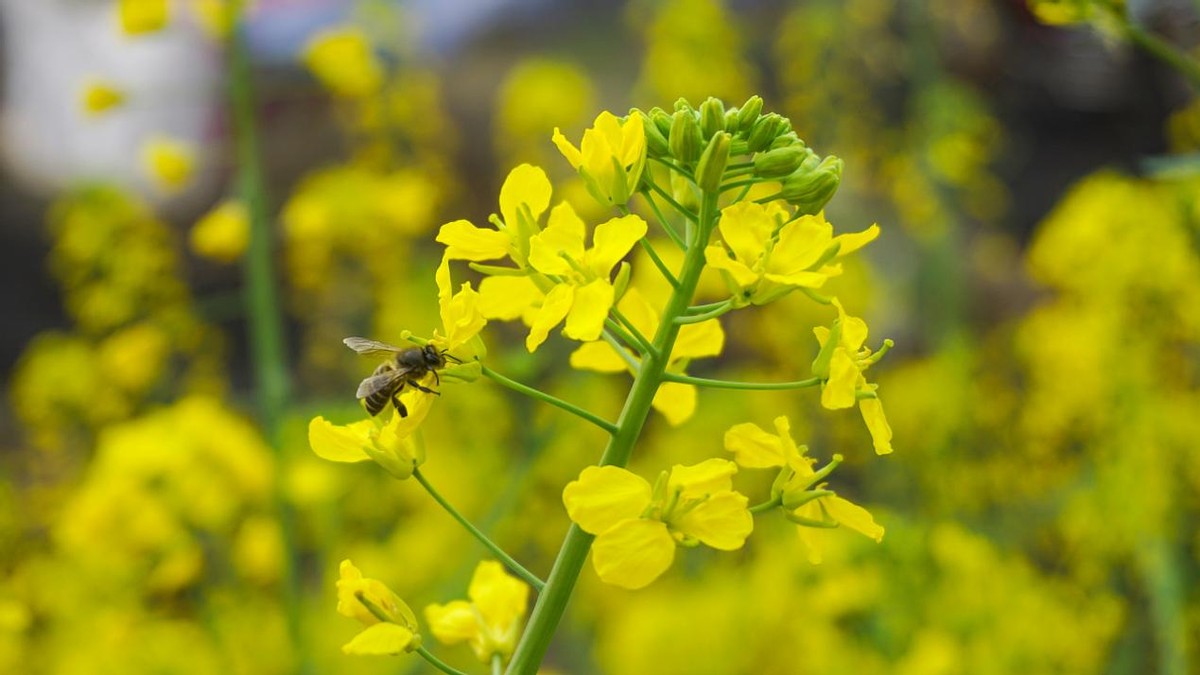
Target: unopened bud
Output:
[(711, 168), (712, 116), (787, 140), (749, 113), (731, 120), (681, 103), (662, 120), (656, 141), (685, 140), (810, 190), (764, 132), (780, 162)]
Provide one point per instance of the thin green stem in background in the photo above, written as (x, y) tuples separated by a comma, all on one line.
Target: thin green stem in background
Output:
[(713, 313), (629, 359), (547, 398), (674, 204), (438, 663), (766, 506), (658, 262), (749, 386), (665, 224), (642, 340), (517, 568), (1163, 51)]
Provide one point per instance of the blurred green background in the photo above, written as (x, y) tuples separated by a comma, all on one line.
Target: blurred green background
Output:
[(1039, 270)]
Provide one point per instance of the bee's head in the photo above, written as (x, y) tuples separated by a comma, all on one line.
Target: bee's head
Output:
[(437, 358)]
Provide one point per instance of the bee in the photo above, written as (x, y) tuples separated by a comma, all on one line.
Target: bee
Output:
[(408, 366)]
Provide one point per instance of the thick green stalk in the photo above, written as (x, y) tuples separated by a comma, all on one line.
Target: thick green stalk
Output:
[(264, 318), (561, 583)]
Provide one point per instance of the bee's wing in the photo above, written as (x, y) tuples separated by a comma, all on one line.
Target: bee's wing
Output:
[(365, 346), (381, 382)]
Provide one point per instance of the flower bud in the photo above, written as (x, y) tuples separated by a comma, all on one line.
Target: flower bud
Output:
[(712, 116), (711, 168), (764, 132), (731, 120), (780, 161), (681, 103), (811, 190), (787, 140), (656, 140), (685, 140), (662, 121), (749, 113)]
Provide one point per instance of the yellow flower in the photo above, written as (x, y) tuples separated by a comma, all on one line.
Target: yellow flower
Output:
[(461, 317), (676, 401), (169, 162), (391, 625), (223, 233), (584, 293), (491, 621), (812, 509), (100, 97), (343, 61), (389, 444), (142, 16), (841, 363), (611, 157), (772, 256), (637, 527), (524, 197)]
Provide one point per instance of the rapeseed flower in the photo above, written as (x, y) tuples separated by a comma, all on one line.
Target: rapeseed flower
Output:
[(138, 17), (222, 234), (841, 363), (343, 61), (169, 162), (611, 157), (491, 620), (391, 626), (524, 197), (100, 97), (389, 444)]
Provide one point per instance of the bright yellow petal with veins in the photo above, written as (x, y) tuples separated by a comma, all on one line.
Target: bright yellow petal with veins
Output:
[(801, 243), (453, 622), (799, 279), (612, 241), (464, 241), (746, 227), (563, 235), (602, 496), (567, 149), (706, 478), (854, 333), (554, 308), (843, 380), (585, 321), (698, 340), (719, 259), (338, 443), (853, 516), (633, 142), (599, 357), (851, 242), (382, 639), (633, 553), (877, 424), (508, 298), (676, 401), (500, 597), (722, 521), (526, 184), (752, 447)]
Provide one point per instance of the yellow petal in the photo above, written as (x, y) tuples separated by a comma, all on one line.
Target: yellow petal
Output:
[(612, 241), (563, 235), (526, 184), (843, 380), (381, 639), (722, 521), (849, 243), (592, 302), (222, 234), (169, 162), (877, 424), (799, 279), (719, 259), (508, 298), (698, 340), (801, 243), (752, 447), (853, 516), (142, 16), (338, 443), (500, 597), (746, 227), (633, 553), (453, 622), (599, 357), (706, 478), (100, 97), (567, 149), (604, 496), (554, 308), (464, 241), (676, 401), (344, 62)]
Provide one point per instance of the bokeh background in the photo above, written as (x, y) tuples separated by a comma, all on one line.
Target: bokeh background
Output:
[(1039, 270)]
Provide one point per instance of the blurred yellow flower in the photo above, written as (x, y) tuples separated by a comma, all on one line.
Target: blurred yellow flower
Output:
[(391, 624), (169, 162), (637, 527), (524, 197), (134, 357), (389, 444), (611, 157), (100, 97), (841, 363), (217, 17), (223, 233), (536, 95), (343, 61), (142, 16), (491, 621)]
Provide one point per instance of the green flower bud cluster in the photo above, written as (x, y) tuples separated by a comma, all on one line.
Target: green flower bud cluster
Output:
[(710, 140)]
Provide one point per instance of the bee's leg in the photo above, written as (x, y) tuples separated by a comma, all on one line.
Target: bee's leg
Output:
[(420, 387), (400, 407)]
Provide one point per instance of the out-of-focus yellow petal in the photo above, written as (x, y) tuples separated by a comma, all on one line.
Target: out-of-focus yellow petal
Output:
[(142, 16), (853, 516), (464, 241), (602, 496), (169, 162), (500, 597), (633, 553), (598, 356), (843, 380), (799, 279), (752, 447), (344, 62), (612, 241), (453, 622), (676, 401), (508, 298), (563, 235), (698, 340), (100, 97), (382, 639), (526, 184), (222, 234), (592, 302), (722, 521), (706, 478), (852, 241), (338, 443), (554, 308), (877, 424), (567, 149), (719, 259)]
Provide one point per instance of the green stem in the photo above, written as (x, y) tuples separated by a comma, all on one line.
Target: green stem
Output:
[(766, 506), (700, 309), (438, 663), (1163, 51), (264, 319), (674, 167), (619, 331), (666, 225), (747, 386), (710, 314), (658, 262), (740, 184), (552, 602), (517, 568), (497, 664), (547, 398), (629, 359), (637, 334), (674, 204)]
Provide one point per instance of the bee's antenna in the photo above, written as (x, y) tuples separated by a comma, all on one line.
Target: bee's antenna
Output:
[(447, 355)]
